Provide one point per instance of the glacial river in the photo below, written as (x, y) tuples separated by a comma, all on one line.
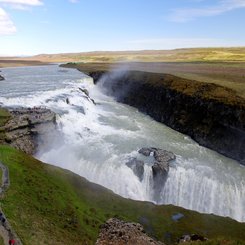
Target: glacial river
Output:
[(96, 140)]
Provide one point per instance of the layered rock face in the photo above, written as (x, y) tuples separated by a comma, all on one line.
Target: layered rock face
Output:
[(117, 232), (25, 125), (212, 115)]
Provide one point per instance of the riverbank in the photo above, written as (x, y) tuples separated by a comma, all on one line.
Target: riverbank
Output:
[(211, 114), (10, 62)]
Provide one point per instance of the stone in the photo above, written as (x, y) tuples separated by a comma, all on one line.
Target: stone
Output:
[(85, 91), (160, 168), (146, 151), (163, 155), (2, 78), (25, 125), (137, 166), (119, 232)]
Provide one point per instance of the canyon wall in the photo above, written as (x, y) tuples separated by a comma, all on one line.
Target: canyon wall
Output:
[(212, 115)]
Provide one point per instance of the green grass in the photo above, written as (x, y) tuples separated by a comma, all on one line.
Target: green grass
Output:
[(4, 117), (217, 242), (1, 241), (49, 205)]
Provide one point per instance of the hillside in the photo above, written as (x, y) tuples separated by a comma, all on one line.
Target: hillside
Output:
[(176, 55), (49, 205)]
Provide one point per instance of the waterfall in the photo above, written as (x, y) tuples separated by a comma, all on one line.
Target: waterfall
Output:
[(95, 140)]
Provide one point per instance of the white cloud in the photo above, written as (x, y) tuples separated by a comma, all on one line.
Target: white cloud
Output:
[(7, 27), (74, 1), (22, 2), (187, 14)]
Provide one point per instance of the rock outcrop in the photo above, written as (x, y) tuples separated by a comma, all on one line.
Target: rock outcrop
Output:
[(162, 158), (212, 115), (160, 167), (137, 166), (118, 232), (25, 125), (2, 78)]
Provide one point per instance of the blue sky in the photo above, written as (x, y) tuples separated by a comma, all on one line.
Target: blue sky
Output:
[(30, 27)]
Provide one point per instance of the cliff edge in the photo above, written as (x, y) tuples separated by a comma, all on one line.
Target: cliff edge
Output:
[(212, 115)]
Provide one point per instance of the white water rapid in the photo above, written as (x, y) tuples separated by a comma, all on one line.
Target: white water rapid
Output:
[(96, 140)]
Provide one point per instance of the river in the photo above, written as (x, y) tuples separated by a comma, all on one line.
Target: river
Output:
[(95, 140)]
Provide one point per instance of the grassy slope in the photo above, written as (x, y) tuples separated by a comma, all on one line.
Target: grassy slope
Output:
[(48, 205), (4, 117)]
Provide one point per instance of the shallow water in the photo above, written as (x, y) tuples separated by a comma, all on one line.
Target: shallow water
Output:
[(95, 141)]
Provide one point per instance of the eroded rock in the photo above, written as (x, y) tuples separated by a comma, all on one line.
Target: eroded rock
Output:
[(162, 157), (2, 78), (25, 125), (160, 168), (137, 166), (118, 232)]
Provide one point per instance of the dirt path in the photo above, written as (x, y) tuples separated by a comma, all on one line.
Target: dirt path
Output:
[(6, 230)]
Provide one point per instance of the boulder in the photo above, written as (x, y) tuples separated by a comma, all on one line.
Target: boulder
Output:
[(137, 166), (116, 231), (2, 78), (146, 151), (163, 155)]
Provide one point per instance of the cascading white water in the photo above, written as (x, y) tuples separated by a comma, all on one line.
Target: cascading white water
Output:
[(96, 141)]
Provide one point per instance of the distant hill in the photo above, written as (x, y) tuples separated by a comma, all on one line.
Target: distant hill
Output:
[(178, 55)]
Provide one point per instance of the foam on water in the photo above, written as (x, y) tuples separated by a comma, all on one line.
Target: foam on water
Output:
[(95, 141)]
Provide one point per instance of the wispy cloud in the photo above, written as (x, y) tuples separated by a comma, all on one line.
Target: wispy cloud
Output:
[(188, 14), (23, 2), (7, 27), (74, 1)]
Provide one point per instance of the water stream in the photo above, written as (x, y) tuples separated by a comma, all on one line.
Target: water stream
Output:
[(96, 140)]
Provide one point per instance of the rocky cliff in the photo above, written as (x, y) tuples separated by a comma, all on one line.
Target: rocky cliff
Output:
[(212, 115), (25, 125)]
